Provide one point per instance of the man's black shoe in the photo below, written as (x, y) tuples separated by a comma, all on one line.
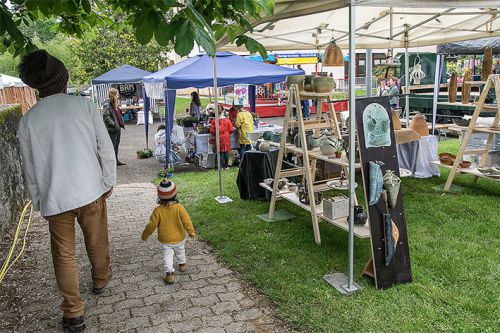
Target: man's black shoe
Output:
[(74, 324), (120, 163)]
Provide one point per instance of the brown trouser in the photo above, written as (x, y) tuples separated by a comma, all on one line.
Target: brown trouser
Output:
[(93, 221)]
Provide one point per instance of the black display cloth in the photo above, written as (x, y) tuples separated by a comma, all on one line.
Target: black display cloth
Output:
[(254, 168)]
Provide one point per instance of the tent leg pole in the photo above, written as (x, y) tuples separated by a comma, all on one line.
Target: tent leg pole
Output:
[(435, 97), (220, 198), (368, 74), (407, 85), (339, 281)]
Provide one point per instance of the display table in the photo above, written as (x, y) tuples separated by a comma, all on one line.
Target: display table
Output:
[(417, 157), (254, 168), (202, 144)]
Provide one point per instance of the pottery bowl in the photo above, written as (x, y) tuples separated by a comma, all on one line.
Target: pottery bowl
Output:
[(323, 84), (295, 79)]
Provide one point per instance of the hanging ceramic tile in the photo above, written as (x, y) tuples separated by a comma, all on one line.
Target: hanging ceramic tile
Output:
[(392, 183), (376, 182), (376, 126)]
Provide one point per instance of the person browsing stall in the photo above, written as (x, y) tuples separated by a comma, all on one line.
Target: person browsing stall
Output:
[(244, 124), (113, 120), (225, 130)]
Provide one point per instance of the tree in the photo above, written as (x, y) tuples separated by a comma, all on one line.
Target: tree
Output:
[(180, 23), (107, 49)]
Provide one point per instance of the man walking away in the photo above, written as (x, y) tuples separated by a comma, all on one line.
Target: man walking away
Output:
[(70, 169)]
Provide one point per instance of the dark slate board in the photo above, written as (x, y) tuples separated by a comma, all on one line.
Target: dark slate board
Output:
[(399, 270)]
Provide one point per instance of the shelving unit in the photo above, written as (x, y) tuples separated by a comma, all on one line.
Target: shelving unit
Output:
[(309, 160), (493, 81)]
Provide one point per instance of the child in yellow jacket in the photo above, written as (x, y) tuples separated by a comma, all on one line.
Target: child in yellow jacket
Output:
[(172, 221)]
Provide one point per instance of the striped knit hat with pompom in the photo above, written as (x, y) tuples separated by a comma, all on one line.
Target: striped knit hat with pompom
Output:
[(166, 190)]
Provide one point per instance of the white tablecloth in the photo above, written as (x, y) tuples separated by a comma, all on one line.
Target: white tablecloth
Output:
[(417, 156)]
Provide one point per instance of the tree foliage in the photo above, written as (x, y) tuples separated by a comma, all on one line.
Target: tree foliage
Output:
[(180, 23), (107, 49)]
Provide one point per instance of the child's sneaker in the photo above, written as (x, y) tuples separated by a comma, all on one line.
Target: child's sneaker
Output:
[(183, 267), (169, 278)]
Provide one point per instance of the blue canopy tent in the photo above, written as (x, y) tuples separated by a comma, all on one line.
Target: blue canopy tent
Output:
[(121, 74), (198, 72)]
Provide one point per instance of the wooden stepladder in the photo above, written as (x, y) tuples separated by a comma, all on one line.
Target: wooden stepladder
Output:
[(481, 107), (308, 168)]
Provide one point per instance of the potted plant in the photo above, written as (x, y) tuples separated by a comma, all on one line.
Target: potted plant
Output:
[(144, 153), (339, 148)]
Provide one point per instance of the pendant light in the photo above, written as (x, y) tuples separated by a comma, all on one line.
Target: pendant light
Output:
[(333, 55)]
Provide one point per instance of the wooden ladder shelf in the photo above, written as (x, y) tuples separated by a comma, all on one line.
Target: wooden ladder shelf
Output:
[(309, 159), (493, 81)]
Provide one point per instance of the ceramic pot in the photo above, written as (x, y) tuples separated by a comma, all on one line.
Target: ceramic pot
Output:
[(295, 79), (317, 140), (292, 187), (258, 143), (276, 137), (290, 136), (452, 89), (308, 83), (264, 146), (304, 195), (327, 145), (309, 141), (323, 84), (360, 216), (267, 135)]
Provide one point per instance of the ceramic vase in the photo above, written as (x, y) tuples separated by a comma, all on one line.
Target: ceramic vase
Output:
[(295, 79), (308, 83), (487, 63), (323, 84), (452, 89)]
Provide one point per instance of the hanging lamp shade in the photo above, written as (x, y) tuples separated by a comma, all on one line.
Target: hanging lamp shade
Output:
[(333, 55)]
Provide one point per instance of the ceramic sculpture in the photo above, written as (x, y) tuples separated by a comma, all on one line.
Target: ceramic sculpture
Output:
[(376, 182), (264, 146), (376, 126), (466, 87), (328, 145), (487, 63), (392, 183), (452, 89)]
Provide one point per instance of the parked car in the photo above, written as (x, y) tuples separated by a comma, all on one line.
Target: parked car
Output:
[(86, 92), (73, 91)]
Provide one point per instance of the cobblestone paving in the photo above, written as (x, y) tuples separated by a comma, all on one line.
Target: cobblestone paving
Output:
[(207, 298)]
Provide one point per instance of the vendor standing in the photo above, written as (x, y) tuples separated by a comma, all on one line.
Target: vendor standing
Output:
[(195, 105), (393, 93), (244, 124), (225, 130), (113, 120)]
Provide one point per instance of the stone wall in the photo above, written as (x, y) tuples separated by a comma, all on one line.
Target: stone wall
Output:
[(13, 196)]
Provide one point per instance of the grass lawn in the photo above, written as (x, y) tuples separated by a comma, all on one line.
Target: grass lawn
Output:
[(454, 248)]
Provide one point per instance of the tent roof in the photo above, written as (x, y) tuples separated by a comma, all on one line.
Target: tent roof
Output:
[(121, 74), (470, 47), (232, 69), (306, 25), (10, 81)]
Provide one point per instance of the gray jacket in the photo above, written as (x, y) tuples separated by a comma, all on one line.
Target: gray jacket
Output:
[(68, 157)]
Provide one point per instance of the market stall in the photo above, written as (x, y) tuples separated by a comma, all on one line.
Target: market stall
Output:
[(197, 72), (14, 91), (128, 80), (378, 24)]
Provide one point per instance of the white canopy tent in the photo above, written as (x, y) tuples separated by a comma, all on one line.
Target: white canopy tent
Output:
[(306, 25), (371, 24)]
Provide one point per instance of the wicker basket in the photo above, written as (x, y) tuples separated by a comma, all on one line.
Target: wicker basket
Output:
[(447, 158), (419, 125)]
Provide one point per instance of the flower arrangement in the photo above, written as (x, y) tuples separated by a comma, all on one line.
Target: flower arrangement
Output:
[(166, 173)]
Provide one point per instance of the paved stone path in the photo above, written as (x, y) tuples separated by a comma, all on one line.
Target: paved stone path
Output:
[(207, 298)]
